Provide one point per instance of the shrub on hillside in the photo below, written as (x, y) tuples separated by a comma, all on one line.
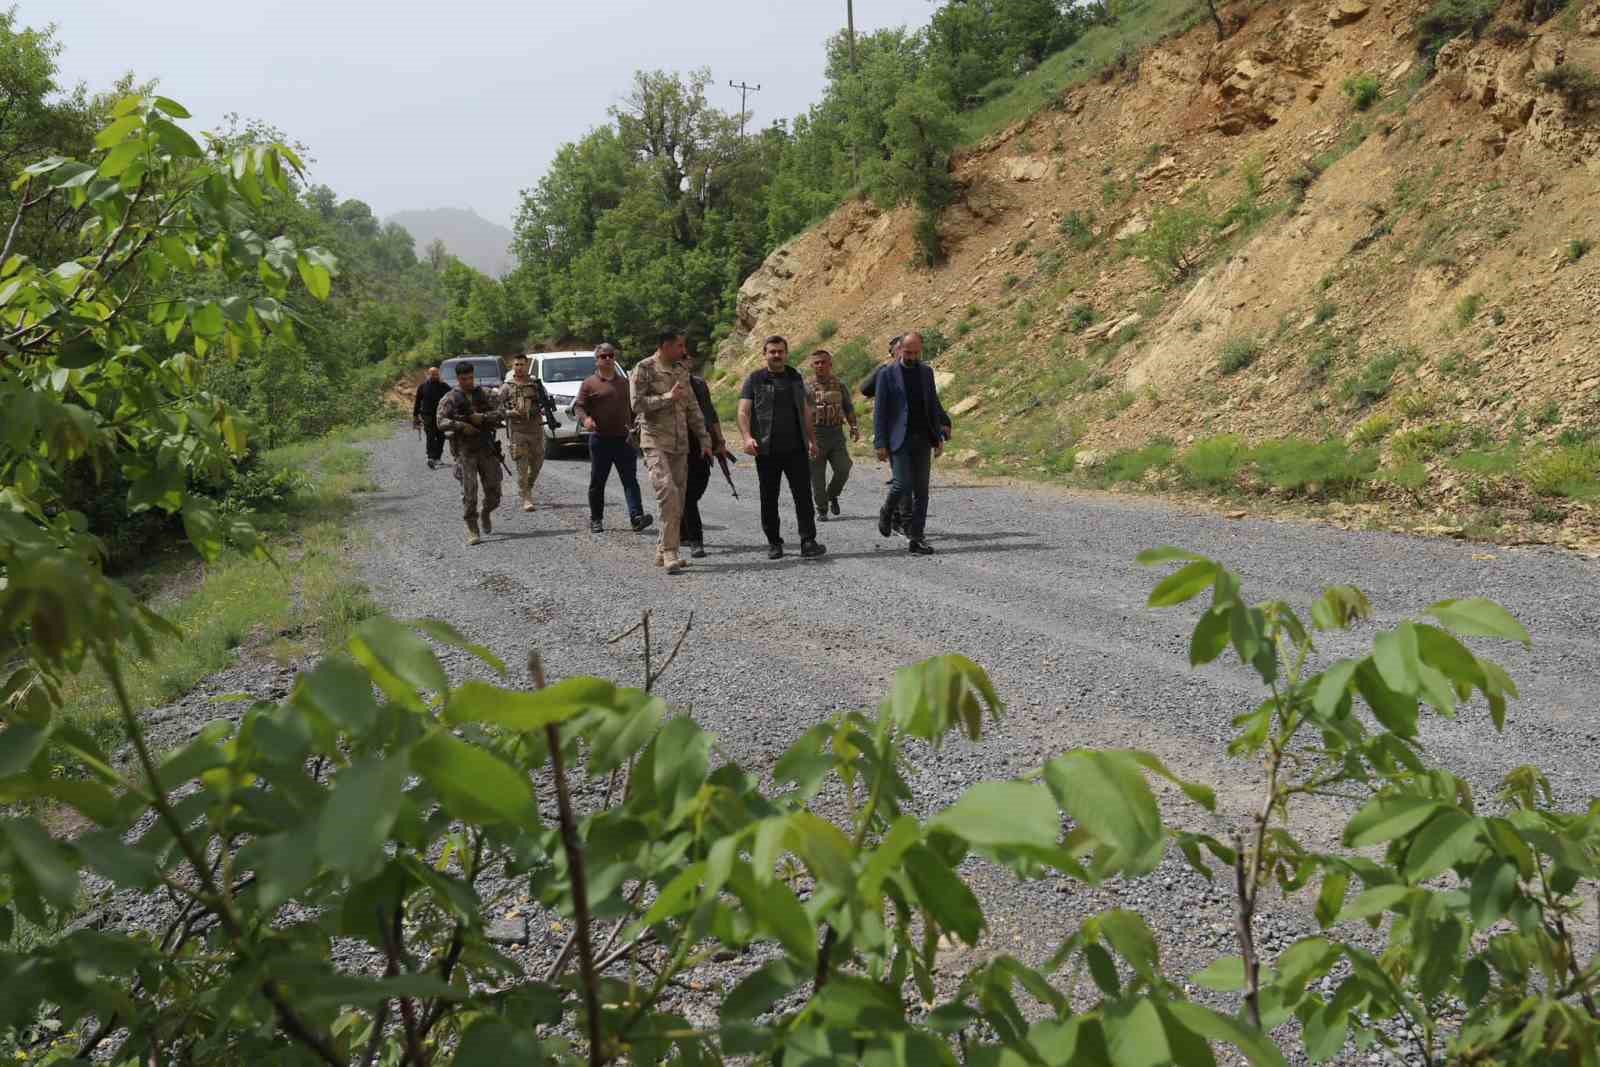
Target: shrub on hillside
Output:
[(1579, 87), (1175, 243), (1132, 464), (1215, 462), (1448, 19), (1081, 317), (1373, 382), (1571, 471), (1362, 90), (826, 329), (853, 362), (1238, 354), (1326, 468)]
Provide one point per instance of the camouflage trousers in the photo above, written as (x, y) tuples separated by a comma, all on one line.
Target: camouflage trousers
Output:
[(527, 452), (472, 466), (669, 477)]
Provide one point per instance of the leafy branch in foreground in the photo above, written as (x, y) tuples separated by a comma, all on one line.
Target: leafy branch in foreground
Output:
[(386, 812), (102, 366)]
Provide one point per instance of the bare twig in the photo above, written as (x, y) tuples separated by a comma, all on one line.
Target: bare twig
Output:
[(676, 648), (580, 888), (1244, 918), (393, 948), (16, 223), (825, 960)]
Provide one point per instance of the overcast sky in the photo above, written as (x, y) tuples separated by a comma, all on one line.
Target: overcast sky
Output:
[(407, 104)]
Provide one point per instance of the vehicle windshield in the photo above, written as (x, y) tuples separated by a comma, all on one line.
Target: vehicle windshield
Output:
[(566, 368), (485, 371)]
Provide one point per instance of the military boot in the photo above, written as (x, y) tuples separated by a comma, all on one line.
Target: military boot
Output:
[(488, 523), (674, 564), (472, 532)]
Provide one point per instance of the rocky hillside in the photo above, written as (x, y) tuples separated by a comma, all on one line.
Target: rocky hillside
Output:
[(1341, 223)]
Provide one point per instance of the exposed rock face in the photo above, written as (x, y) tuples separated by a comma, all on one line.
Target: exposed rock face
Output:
[(1344, 12), (1025, 169)]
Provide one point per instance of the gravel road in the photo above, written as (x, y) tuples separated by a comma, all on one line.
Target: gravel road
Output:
[(1037, 585)]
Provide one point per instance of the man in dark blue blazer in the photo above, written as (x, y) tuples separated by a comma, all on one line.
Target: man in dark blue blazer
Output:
[(907, 419)]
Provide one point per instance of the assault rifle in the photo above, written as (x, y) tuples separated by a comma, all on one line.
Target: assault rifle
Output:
[(547, 405)]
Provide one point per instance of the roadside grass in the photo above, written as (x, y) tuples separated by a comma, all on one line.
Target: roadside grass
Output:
[(301, 599), (1138, 24)]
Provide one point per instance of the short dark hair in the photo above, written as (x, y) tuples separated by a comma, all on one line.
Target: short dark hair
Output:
[(669, 334), (894, 342), (775, 339), (465, 368), (821, 352)]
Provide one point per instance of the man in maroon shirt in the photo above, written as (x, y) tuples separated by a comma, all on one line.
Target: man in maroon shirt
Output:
[(604, 409)]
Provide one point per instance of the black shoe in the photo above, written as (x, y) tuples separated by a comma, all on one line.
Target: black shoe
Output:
[(885, 522), (775, 552), (822, 515), (833, 504), (919, 547), (432, 464), (811, 550), (642, 522), (595, 526), (697, 550), (486, 522), (897, 524)]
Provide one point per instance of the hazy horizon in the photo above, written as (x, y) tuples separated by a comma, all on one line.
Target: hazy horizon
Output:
[(409, 112)]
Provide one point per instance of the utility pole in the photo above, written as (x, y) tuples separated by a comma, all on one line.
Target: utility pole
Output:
[(850, 34), (744, 90)]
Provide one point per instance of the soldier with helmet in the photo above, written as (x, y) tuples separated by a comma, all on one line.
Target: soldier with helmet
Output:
[(470, 414), (523, 399)]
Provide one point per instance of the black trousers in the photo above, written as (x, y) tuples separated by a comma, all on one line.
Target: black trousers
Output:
[(912, 467), (771, 471), (691, 530), (435, 436), (605, 453)]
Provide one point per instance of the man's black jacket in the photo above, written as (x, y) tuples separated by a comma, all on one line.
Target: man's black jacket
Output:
[(429, 393)]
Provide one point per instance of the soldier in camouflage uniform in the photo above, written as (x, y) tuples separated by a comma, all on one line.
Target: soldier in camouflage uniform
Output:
[(469, 415), (832, 409), (521, 397), (669, 419)]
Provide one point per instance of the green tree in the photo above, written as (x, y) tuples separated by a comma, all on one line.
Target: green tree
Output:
[(921, 133)]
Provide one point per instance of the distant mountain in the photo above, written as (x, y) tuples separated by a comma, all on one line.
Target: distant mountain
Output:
[(471, 238)]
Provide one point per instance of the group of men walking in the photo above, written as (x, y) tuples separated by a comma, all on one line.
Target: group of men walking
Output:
[(793, 427)]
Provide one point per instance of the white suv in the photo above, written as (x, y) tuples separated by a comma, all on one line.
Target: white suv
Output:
[(562, 373)]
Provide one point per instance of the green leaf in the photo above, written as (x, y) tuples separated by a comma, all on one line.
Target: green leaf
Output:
[(1152, 556), (523, 711), (318, 282), (358, 814), (1375, 901), (1225, 975), (207, 320), (1494, 884), (944, 894), (1256, 1046), (44, 860), (441, 632), (1395, 655), (171, 107), (338, 689), (1102, 968), (1477, 617), (1210, 637), (1330, 899), (778, 911), (1202, 795), (491, 1042), (128, 867), (1446, 840), (121, 157), (761, 990), (401, 653), (176, 140), (824, 848), (1132, 939), (19, 744), (885, 859), (474, 785), (1184, 584), (1002, 814), (1135, 1035), (1107, 797), (1387, 817)]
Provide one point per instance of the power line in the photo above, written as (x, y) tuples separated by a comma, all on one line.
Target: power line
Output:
[(744, 91)]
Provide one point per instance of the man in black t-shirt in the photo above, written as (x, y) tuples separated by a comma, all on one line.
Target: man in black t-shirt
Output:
[(776, 422)]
